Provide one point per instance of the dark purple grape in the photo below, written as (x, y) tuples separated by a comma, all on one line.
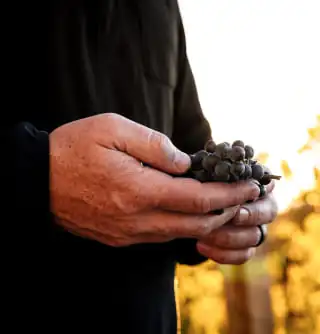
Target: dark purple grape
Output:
[(265, 180), (210, 177), (249, 152), (222, 169), (210, 146), (222, 178), (234, 178), (196, 159), (209, 162), (237, 169), (238, 143), (237, 153), (257, 171), (228, 154), (247, 173), (201, 175), (222, 150)]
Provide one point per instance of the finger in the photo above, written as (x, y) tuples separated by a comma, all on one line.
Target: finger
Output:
[(234, 237), (180, 225), (263, 211), (151, 227), (146, 145), (224, 256), (191, 196), (270, 186), (152, 188)]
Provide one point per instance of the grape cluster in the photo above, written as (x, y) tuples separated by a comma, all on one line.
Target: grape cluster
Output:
[(229, 163)]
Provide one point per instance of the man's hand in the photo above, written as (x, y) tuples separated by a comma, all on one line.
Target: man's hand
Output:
[(100, 190), (234, 243)]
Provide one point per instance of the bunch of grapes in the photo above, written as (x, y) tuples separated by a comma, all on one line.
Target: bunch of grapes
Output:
[(229, 163)]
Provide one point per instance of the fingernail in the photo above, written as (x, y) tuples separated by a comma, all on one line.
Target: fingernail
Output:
[(243, 215), (255, 191)]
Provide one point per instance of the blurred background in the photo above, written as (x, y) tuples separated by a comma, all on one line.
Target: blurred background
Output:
[(257, 68)]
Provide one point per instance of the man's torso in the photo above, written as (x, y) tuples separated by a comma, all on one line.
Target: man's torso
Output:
[(103, 56)]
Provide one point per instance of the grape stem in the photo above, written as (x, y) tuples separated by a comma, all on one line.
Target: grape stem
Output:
[(274, 177)]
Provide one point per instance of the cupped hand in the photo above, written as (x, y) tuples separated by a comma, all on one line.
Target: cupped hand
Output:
[(235, 242)]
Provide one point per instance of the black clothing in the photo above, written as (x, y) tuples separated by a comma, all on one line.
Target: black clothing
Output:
[(121, 56)]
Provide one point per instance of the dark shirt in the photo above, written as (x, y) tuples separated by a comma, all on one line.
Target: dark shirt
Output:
[(66, 60)]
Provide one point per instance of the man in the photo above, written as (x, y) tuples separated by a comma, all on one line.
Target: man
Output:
[(96, 235)]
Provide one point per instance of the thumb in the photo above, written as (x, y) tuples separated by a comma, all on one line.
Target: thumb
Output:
[(149, 146)]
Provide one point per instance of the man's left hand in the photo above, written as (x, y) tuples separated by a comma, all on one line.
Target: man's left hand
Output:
[(235, 242)]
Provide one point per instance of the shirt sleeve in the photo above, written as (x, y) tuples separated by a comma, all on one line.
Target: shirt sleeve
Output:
[(26, 200), (191, 131)]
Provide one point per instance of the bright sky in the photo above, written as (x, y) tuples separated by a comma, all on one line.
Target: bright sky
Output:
[(257, 68)]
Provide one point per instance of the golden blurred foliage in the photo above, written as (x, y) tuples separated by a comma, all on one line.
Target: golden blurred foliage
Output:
[(292, 262), (314, 137), (202, 301), (263, 157), (286, 170)]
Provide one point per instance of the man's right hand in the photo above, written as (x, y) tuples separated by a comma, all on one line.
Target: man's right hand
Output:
[(100, 190)]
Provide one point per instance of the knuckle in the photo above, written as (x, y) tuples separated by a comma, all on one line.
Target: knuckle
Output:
[(153, 137), (274, 210), (202, 204), (162, 143), (165, 141), (255, 217), (207, 228), (112, 117), (243, 192), (103, 121), (157, 139), (203, 229)]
